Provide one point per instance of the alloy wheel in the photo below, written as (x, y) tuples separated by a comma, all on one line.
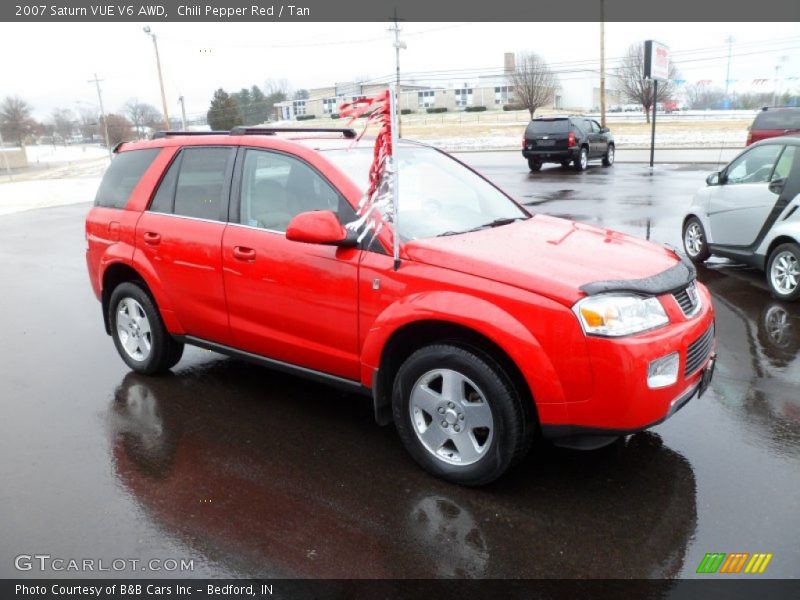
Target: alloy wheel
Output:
[(785, 272), (133, 329)]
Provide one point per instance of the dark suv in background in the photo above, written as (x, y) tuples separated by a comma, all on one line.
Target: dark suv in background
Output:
[(774, 122), (566, 140)]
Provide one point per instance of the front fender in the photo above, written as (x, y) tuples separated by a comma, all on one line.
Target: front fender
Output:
[(477, 314)]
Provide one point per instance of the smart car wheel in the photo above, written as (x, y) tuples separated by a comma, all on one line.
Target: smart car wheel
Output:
[(534, 165), (138, 332), (459, 415), (582, 160), (694, 240), (608, 159), (783, 272)]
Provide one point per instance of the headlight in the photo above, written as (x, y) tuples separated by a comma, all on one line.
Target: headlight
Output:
[(614, 315)]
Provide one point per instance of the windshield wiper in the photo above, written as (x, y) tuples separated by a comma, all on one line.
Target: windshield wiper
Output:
[(491, 224)]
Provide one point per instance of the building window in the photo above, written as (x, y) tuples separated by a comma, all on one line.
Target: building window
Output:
[(427, 99), (503, 94), (329, 105), (464, 97), (299, 107)]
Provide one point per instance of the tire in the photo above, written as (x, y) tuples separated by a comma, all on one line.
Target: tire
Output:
[(694, 240), (139, 333), (783, 272), (582, 160), (608, 158), (534, 165), (477, 431)]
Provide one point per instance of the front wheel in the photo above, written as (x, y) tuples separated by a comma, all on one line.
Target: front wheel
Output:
[(534, 165), (582, 160), (459, 415), (783, 272), (139, 333), (694, 240), (608, 159)]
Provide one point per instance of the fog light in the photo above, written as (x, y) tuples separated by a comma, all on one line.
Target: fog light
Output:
[(663, 371)]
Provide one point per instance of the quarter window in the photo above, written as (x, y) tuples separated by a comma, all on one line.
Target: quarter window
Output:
[(754, 166), (122, 176)]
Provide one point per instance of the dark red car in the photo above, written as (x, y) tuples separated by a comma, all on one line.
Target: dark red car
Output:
[(774, 122), (497, 326)]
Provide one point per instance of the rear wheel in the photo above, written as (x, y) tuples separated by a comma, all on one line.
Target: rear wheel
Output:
[(582, 160), (458, 415), (783, 272), (534, 165), (608, 159), (694, 240), (139, 333)]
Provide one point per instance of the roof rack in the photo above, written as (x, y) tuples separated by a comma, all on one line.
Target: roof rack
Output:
[(163, 134), (347, 132)]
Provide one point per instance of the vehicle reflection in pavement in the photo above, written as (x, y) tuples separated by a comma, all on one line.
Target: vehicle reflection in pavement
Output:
[(275, 476), (758, 340)]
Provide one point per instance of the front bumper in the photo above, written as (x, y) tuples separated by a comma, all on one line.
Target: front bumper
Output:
[(621, 401)]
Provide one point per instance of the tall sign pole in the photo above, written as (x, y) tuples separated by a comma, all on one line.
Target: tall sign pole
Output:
[(602, 63), (656, 68), (395, 176)]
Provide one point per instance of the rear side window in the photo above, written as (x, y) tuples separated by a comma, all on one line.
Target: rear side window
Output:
[(778, 119), (196, 184), (548, 126), (122, 175)]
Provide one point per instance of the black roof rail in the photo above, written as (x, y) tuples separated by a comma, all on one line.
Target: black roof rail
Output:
[(347, 132), (163, 134)]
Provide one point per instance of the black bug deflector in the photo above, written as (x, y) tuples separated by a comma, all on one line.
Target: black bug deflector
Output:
[(675, 278)]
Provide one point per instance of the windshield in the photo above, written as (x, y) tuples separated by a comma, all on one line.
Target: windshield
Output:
[(437, 194)]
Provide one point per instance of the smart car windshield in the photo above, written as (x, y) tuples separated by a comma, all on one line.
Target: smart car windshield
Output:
[(438, 196)]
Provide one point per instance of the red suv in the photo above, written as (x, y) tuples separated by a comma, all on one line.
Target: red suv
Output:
[(496, 326), (774, 122)]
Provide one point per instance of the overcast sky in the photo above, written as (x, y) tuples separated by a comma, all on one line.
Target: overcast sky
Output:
[(54, 61)]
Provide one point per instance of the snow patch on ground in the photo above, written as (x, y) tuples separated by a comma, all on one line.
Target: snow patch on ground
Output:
[(17, 196), (62, 154)]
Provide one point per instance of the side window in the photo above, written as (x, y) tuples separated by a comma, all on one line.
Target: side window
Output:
[(201, 182), (595, 127), (122, 176), (754, 166), (162, 201), (277, 187), (784, 166)]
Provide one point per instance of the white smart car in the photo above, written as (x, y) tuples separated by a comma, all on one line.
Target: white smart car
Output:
[(748, 212)]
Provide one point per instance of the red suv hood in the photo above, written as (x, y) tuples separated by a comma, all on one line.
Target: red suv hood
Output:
[(546, 255)]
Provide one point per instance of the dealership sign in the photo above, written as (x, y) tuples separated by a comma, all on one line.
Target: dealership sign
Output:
[(656, 61)]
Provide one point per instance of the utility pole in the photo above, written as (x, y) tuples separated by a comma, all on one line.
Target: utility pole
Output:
[(778, 65), (729, 40), (602, 63), (183, 111), (398, 45), (160, 78), (96, 82)]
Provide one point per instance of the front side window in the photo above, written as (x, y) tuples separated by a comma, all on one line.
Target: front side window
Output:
[(277, 187), (195, 184), (122, 176), (754, 166), (438, 195)]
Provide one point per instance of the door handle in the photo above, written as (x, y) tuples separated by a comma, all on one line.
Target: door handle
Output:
[(244, 253), (152, 238)]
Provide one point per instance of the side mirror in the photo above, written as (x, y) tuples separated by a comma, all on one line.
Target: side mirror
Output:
[(319, 227), (604, 130), (776, 187), (713, 179)]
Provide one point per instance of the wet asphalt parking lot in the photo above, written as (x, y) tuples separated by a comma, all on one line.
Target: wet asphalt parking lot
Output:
[(249, 472)]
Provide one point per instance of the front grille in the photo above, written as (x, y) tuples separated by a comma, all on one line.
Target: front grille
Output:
[(688, 300), (698, 351)]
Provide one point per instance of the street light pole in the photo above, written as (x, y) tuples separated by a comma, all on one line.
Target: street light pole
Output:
[(729, 41), (398, 45), (160, 77), (602, 63)]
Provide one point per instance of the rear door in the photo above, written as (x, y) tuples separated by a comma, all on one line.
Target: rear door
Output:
[(289, 301), (179, 237), (740, 205)]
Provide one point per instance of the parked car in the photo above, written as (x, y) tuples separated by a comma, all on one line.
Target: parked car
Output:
[(566, 140), (748, 212), (497, 325), (774, 122)]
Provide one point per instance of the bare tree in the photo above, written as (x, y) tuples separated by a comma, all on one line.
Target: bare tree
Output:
[(701, 95), (63, 123), (119, 129), (16, 122), (88, 120), (533, 82), (633, 85), (142, 115)]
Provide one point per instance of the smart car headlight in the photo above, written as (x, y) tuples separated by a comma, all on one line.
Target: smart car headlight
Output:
[(615, 315)]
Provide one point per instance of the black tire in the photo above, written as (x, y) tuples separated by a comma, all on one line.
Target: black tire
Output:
[(511, 430), (696, 255), (608, 157), (582, 160), (164, 351), (791, 252), (534, 165)]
